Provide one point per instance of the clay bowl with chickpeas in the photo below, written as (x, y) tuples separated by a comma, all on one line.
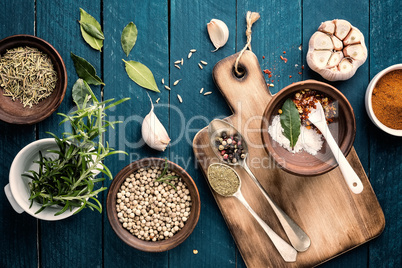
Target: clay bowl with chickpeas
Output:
[(153, 205)]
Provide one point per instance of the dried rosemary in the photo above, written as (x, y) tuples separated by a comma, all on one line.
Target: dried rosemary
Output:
[(27, 75)]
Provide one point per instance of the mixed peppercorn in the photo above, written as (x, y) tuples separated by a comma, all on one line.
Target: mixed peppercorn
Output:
[(305, 101), (230, 147)]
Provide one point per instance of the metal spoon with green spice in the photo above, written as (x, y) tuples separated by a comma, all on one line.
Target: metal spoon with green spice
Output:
[(226, 182), (298, 238)]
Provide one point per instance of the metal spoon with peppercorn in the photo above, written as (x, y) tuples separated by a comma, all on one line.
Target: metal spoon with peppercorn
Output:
[(230, 147)]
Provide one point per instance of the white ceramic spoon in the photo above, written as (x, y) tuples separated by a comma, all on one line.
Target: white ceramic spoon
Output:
[(287, 252), (317, 117)]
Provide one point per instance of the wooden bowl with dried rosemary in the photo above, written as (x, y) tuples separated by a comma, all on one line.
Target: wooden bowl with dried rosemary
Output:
[(33, 79), (153, 205)]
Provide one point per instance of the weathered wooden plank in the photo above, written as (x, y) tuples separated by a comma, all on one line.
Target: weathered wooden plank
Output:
[(276, 46), (18, 231), (386, 150), (151, 49), (81, 234), (188, 30), (315, 12)]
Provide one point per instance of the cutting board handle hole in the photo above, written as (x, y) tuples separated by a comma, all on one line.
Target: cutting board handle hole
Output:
[(241, 70)]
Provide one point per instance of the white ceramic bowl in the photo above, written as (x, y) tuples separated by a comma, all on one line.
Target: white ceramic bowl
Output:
[(368, 101), (17, 191)]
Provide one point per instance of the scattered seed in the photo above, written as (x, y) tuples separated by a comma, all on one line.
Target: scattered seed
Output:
[(199, 65), (157, 101), (189, 55), (177, 66), (204, 62), (177, 62), (195, 251), (179, 97), (300, 47), (193, 50), (176, 82), (168, 88), (271, 85), (163, 81), (207, 93), (202, 89)]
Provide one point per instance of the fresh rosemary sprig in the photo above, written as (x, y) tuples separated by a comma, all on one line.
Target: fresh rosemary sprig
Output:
[(162, 178), (68, 179)]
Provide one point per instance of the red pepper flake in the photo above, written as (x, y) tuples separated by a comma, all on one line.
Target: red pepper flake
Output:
[(263, 57), (284, 52), (299, 72), (272, 80), (266, 71), (302, 67), (284, 59), (290, 76)]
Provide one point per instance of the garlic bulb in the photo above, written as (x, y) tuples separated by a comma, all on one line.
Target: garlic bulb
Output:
[(218, 33), (336, 50), (153, 132)]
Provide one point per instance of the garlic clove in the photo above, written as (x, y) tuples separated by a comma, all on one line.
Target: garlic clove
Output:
[(218, 33), (356, 52), (342, 28), (335, 59), (337, 43), (153, 132), (321, 58), (320, 40), (327, 27), (345, 66), (354, 37)]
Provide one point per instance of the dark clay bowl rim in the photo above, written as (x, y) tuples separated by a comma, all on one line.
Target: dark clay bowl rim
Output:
[(345, 146), (14, 112), (150, 246)]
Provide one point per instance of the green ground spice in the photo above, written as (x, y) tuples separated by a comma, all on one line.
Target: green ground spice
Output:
[(223, 180)]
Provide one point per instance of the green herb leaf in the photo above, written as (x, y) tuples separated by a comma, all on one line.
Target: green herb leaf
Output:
[(141, 75), (129, 37), (95, 43), (290, 122), (80, 92), (85, 70), (92, 30)]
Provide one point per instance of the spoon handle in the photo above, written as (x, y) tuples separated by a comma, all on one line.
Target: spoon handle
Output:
[(287, 252), (350, 176), (298, 238)]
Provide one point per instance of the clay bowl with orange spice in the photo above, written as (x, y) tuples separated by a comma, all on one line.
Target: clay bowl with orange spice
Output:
[(142, 166), (384, 100), (343, 128)]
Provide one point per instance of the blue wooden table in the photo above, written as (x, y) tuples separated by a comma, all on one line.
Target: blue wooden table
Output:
[(167, 30)]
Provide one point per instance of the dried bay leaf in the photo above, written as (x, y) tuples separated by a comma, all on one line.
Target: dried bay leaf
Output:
[(141, 75), (92, 30), (290, 122), (95, 43), (80, 92), (85, 70), (129, 37)]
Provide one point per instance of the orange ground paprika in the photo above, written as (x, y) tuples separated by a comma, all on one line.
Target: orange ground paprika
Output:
[(387, 99)]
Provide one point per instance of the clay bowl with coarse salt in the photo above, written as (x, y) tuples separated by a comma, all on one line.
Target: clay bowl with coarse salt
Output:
[(343, 128), (132, 240)]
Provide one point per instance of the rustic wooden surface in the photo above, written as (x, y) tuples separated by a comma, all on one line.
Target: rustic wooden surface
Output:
[(167, 31), (334, 218)]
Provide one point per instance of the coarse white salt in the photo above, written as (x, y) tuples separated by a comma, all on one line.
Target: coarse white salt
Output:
[(309, 140)]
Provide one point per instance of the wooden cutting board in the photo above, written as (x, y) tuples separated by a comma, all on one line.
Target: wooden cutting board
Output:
[(335, 219)]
